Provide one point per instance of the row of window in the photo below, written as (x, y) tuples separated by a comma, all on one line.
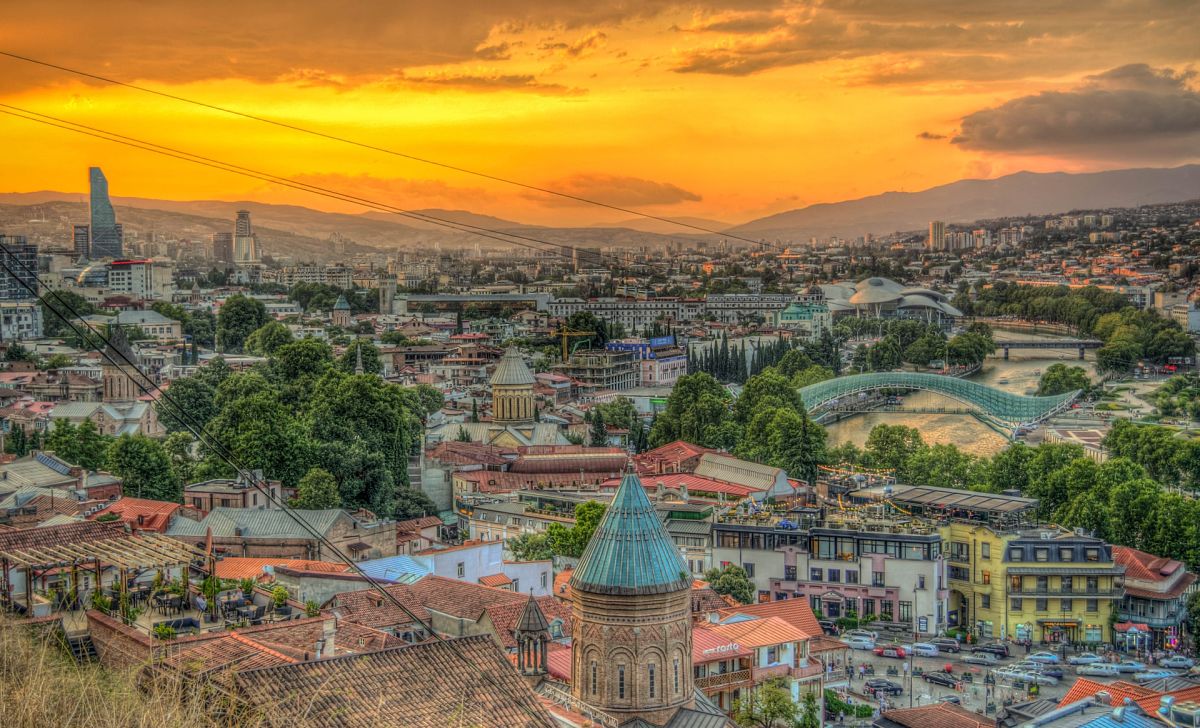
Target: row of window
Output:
[(1091, 606), (651, 678)]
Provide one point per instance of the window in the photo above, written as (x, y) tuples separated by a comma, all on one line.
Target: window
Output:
[(594, 669), (621, 682), (1093, 605), (789, 573), (985, 551), (1015, 604), (920, 581), (517, 585), (461, 570), (987, 577), (1014, 583), (985, 601), (815, 602), (886, 613), (835, 576), (1014, 554), (960, 551), (772, 655), (1093, 585), (1041, 554), (876, 578), (749, 569), (1066, 554), (676, 675), (905, 611), (1067, 584), (1066, 605), (816, 575), (958, 573), (1093, 554), (653, 687), (851, 577), (1043, 583), (1042, 605), (543, 580)]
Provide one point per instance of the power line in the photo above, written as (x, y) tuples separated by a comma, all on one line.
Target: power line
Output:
[(213, 445), (499, 235), (384, 150)]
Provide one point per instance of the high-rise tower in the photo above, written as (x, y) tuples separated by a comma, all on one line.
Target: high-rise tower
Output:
[(245, 243), (82, 240), (108, 240), (21, 257), (937, 236)]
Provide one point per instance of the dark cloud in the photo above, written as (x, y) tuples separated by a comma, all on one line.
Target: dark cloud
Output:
[(580, 47), (617, 190), (496, 52), (930, 136), (1133, 111), (487, 82)]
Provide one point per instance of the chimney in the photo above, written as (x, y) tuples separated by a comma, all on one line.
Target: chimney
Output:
[(329, 635)]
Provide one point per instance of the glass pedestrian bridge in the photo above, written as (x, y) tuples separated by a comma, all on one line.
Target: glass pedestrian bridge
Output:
[(995, 404)]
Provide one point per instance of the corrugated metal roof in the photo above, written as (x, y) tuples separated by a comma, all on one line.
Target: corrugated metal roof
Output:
[(225, 522), (631, 551)]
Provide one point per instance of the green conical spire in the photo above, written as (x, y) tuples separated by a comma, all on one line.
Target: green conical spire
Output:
[(631, 552)]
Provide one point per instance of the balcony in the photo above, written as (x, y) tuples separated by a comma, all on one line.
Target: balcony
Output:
[(740, 678), (761, 674), (814, 668)]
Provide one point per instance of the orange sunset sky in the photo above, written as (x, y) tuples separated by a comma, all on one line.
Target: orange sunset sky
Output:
[(725, 110)]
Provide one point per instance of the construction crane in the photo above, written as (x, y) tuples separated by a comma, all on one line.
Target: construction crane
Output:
[(568, 334)]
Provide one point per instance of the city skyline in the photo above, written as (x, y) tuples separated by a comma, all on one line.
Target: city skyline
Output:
[(722, 112)]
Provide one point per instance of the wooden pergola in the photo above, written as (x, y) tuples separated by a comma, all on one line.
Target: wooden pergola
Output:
[(128, 553)]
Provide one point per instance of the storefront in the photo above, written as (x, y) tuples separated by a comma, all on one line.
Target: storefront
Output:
[(1132, 637), (1059, 631)]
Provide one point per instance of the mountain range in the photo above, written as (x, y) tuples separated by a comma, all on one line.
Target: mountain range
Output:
[(304, 233)]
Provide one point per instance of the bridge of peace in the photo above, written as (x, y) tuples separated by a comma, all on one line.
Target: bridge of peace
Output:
[(1003, 410)]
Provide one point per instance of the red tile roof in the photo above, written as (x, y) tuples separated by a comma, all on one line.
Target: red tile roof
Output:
[(1119, 690), (795, 612), (1144, 566), (708, 646), (417, 524), (505, 617), (938, 715), (75, 533), (762, 632), (368, 607), (495, 580), (142, 514), (240, 567)]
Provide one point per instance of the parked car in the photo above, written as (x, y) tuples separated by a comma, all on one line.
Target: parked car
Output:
[(1051, 670), (859, 643), (950, 699), (981, 658), (1131, 666), (1084, 658), (940, 678), (879, 685), (891, 651), (925, 649), (1148, 675), (1025, 676), (862, 633), (999, 649), (1098, 669), (1046, 658), (946, 644), (1177, 662)]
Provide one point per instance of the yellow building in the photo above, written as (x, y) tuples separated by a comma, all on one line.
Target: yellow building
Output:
[(1046, 585)]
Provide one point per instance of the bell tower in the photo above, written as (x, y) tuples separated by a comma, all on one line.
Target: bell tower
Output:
[(512, 390)]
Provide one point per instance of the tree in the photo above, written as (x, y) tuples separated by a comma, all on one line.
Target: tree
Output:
[(431, 398), (767, 706), (239, 317), (180, 448), (731, 580), (810, 713), (463, 435), (83, 445), (317, 491), (189, 402), (145, 468), (888, 446), (372, 364), (1060, 379), (267, 338), (620, 413), (57, 361), (572, 541), (598, 436), (412, 503), (60, 307), (924, 350), (530, 547), (695, 411)]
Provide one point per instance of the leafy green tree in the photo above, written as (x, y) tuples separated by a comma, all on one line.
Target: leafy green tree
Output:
[(1010, 468), (60, 307), (464, 436), (180, 447), (885, 355), (267, 338), (598, 436), (430, 397), (317, 491), (810, 712), (83, 445), (572, 541), (372, 364), (888, 446), (530, 547), (767, 706), (945, 466), (145, 468), (731, 580), (1060, 379), (262, 433), (57, 361), (239, 317), (619, 413), (190, 402), (924, 350), (412, 503), (811, 375), (696, 412)]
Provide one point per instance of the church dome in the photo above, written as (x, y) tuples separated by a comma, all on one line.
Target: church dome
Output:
[(512, 370)]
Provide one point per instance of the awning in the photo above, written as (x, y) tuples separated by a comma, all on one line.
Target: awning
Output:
[(1059, 622)]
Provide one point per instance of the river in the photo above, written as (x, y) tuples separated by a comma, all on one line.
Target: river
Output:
[(1019, 375)]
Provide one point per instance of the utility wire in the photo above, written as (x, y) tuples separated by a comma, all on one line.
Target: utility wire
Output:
[(150, 388), (385, 150), (499, 235)]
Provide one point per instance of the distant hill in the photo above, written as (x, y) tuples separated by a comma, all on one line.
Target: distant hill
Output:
[(666, 228), (973, 199)]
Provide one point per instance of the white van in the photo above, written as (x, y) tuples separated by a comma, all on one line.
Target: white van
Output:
[(1098, 669)]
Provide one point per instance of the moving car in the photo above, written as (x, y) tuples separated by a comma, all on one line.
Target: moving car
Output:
[(1051, 670), (940, 678), (859, 643), (1084, 658), (879, 685), (1152, 675), (925, 649), (981, 658), (1098, 669), (950, 699), (1131, 666), (1026, 676), (891, 651), (828, 627), (861, 633), (946, 644), (999, 649), (1177, 662), (1046, 658)]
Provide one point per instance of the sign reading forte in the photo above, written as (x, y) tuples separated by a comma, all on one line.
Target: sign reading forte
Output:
[(723, 649)]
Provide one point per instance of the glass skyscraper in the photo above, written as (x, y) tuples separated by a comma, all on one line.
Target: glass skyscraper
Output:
[(107, 237)]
